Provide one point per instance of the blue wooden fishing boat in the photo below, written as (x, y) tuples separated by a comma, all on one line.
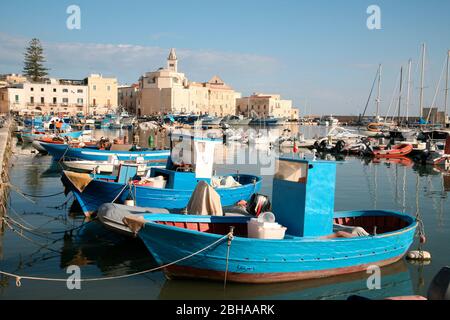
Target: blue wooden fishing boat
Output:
[(31, 136), (314, 245), (172, 191), (58, 151)]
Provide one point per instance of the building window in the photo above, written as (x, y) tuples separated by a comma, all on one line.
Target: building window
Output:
[(42, 100), (17, 98), (94, 87), (42, 89), (65, 90), (54, 89), (80, 91), (31, 99), (55, 101), (65, 100), (31, 89), (109, 88), (80, 101)]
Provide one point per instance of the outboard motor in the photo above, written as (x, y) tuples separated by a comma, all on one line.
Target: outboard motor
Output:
[(340, 145), (258, 204)]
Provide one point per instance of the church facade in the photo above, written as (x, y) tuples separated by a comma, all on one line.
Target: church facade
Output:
[(168, 91)]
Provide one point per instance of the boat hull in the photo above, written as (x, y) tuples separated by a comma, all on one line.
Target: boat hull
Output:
[(59, 151), (37, 145), (177, 272), (396, 152), (269, 261), (30, 137)]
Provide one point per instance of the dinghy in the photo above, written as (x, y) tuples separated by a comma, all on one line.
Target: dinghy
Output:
[(318, 242), (397, 151)]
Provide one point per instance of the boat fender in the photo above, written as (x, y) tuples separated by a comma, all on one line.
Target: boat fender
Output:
[(418, 255), (129, 203)]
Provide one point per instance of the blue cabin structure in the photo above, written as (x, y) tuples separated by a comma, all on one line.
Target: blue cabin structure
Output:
[(303, 196)]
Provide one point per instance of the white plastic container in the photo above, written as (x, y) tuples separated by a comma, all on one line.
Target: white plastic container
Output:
[(265, 230)]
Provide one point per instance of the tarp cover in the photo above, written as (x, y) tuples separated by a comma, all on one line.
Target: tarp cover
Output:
[(224, 182), (79, 180), (356, 231), (205, 201), (134, 223)]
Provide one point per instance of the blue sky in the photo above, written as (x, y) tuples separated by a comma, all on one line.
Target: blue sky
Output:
[(315, 52)]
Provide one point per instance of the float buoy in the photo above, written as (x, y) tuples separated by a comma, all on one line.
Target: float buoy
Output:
[(422, 239), (419, 255)]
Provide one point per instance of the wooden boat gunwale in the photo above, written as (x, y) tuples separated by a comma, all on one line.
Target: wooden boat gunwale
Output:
[(175, 218)]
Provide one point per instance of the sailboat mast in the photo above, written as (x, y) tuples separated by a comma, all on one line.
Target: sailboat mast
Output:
[(408, 91), (422, 77), (379, 92), (400, 95), (446, 88)]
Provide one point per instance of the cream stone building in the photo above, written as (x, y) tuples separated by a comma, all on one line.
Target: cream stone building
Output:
[(168, 91), (102, 94), (12, 79), (128, 97), (266, 105), (50, 97)]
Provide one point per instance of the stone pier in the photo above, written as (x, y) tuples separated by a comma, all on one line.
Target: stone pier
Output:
[(5, 153)]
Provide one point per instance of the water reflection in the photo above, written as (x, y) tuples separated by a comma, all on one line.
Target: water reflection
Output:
[(396, 281), (110, 253)]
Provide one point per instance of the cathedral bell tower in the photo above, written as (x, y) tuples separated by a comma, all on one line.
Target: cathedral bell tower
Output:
[(172, 61)]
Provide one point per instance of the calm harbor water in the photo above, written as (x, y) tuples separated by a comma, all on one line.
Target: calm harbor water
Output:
[(48, 251)]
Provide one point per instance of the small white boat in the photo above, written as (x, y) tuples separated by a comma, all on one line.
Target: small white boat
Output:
[(329, 121), (101, 167)]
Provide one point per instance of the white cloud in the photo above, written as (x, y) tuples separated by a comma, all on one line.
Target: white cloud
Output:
[(127, 62)]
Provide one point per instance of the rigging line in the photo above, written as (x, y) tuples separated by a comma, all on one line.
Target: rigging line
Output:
[(437, 89), (393, 96), (371, 92)]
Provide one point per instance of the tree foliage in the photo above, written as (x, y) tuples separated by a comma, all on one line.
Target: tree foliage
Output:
[(34, 61)]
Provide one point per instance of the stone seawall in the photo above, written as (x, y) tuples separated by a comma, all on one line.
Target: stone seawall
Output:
[(5, 154)]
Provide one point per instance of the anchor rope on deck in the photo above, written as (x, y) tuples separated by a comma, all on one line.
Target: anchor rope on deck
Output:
[(19, 277)]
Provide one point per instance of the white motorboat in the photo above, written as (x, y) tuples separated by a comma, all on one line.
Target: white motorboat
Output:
[(102, 167)]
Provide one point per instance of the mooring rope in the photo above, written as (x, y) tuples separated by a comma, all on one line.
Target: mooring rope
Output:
[(40, 245), (18, 190), (19, 277), (120, 193), (230, 238)]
